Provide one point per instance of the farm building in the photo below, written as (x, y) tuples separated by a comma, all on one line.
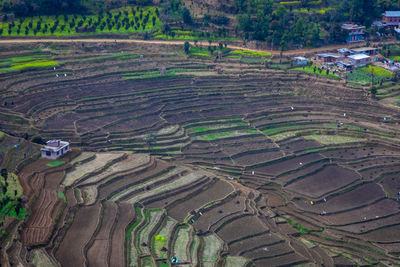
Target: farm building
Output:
[(355, 32), (328, 58), (301, 61), (370, 51), (391, 18), (54, 149), (359, 60)]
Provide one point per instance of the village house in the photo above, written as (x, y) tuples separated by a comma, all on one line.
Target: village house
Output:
[(300, 61), (328, 58), (355, 33), (54, 149), (391, 18), (359, 60)]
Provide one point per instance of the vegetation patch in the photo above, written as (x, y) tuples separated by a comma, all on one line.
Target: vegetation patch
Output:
[(334, 139), (122, 20), (26, 62), (317, 71), (62, 196), (249, 53), (55, 163)]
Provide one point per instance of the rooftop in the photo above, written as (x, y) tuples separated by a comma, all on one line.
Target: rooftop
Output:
[(350, 26), (299, 58), (328, 55), (392, 14), (362, 49), (358, 56)]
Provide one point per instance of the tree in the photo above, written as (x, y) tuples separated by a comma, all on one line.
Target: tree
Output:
[(187, 47), (150, 139), (187, 18), (4, 173), (373, 90)]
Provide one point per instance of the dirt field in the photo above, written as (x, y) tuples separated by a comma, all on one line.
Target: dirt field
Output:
[(268, 166)]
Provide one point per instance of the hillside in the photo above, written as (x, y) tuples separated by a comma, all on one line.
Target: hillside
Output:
[(211, 159)]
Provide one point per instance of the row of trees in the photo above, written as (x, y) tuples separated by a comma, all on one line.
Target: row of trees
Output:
[(139, 20), (267, 20)]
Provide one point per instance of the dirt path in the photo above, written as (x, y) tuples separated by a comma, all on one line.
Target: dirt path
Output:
[(97, 40)]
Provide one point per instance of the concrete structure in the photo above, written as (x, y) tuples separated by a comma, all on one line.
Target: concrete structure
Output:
[(359, 60), (54, 149), (355, 32), (328, 58), (370, 51), (391, 18), (301, 61)]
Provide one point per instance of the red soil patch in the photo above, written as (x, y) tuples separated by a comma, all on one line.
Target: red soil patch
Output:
[(126, 214), (329, 179), (97, 254), (70, 252), (360, 196), (241, 227), (217, 191)]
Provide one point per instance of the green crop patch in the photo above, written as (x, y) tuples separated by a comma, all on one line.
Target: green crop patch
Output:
[(62, 196), (317, 71), (334, 139), (249, 53), (55, 163), (26, 62)]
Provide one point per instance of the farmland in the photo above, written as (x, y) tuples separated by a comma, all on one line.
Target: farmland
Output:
[(214, 162)]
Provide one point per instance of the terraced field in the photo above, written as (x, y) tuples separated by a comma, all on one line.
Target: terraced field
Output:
[(251, 167)]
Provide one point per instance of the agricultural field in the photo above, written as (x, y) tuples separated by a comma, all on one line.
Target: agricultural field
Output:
[(121, 21), (192, 160)]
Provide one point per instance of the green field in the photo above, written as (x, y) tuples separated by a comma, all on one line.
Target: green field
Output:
[(55, 163), (318, 71), (249, 53), (25, 62), (364, 74), (333, 139), (123, 20)]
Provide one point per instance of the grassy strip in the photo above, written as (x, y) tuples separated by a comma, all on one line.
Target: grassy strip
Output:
[(55, 163), (333, 139), (62, 196), (317, 71), (249, 53), (212, 246), (132, 253), (26, 62)]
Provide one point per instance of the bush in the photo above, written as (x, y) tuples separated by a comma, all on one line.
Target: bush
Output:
[(187, 18), (38, 140)]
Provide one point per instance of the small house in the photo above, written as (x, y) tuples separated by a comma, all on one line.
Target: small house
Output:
[(54, 149), (345, 65), (370, 51), (300, 61), (391, 18), (328, 58), (359, 60), (355, 33)]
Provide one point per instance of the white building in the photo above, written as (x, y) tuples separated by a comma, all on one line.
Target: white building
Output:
[(301, 61), (359, 60), (54, 149)]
